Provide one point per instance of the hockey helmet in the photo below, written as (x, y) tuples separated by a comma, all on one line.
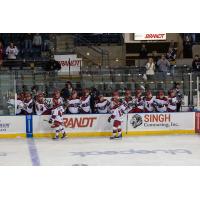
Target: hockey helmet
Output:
[(148, 93), (161, 93), (127, 92), (115, 94), (56, 102), (56, 94)]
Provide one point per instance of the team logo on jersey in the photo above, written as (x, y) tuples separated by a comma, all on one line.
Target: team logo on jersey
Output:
[(136, 120)]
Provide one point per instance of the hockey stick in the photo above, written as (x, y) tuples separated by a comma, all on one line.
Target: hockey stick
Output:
[(45, 120), (126, 123)]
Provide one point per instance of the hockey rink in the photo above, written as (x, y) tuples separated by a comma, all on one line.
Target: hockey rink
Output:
[(133, 151)]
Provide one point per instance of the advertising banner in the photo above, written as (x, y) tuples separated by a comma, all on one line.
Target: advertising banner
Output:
[(161, 122), (69, 63), (77, 125), (12, 126), (150, 36)]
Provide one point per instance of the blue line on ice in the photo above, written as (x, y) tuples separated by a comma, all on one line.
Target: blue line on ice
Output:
[(33, 152)]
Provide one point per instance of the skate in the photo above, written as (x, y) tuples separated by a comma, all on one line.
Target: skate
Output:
[(119, 136), (56, 138), (64, 136), (113, 137)]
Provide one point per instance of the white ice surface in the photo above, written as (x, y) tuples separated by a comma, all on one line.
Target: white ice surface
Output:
[(102, 151), (14, 152)]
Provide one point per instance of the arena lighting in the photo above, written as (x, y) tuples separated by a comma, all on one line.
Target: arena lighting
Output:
[(87, 53), (117, 60)]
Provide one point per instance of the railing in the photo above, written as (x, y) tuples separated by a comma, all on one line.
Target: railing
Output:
[(99, 51)]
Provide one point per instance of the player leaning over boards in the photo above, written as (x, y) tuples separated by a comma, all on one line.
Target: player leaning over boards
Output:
[(118, 112), (57, 118)]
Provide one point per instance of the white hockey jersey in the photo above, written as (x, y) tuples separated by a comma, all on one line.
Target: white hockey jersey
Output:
[(102, 107), (40, 108), (161, 104), (139, 103), (19, 106), (28, 107), (129, 102), (118, 113), (85, 104), (172, 101), (57, 114), (149, 104), (73, 105)]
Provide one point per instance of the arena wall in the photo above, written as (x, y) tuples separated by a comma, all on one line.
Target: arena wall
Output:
[(94, 125)]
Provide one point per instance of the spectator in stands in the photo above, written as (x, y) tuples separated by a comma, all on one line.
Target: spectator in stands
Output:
[(1, 54), (150, 69), (37, 43), (12, 51), (193, 36), (196, 63), (143, 52), (171, 57), (155, 58), (28, 38), (163, 65), (67, 90), (46, 43), (187, 47), (52, 64), (37, 40)]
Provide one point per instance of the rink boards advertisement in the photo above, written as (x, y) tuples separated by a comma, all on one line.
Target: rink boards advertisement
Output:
[(77, 125), (12, 126), (88, 125), (161, 123)]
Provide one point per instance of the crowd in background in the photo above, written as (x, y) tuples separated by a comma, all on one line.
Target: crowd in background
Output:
[(24, 46), (163, 65)]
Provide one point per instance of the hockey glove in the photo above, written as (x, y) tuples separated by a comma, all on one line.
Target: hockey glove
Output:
[(50, 121)]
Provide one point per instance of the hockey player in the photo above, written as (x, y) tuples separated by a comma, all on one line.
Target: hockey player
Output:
[(172, 101), (114, 100), (117, 116), (149, 102), (161, 102), (40, 106), (19, 104), (102, 105), (128, 99), (138, 102), (85, 102), (56, 119), (28, 104), (57, 95), (74, 103)]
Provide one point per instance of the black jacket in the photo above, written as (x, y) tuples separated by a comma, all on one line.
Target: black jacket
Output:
[(196, 65)]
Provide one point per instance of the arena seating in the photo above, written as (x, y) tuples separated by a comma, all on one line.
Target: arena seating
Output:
[(98, 39)]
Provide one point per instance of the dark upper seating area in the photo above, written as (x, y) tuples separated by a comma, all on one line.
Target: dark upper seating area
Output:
[(98, 39), (25, 44)]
